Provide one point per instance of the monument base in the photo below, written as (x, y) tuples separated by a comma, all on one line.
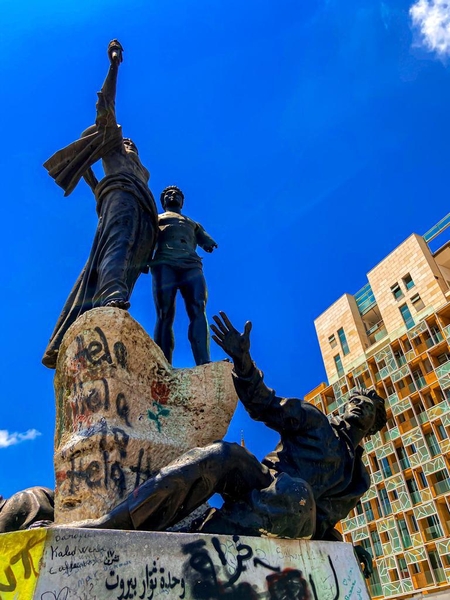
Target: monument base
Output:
[(87, 564)]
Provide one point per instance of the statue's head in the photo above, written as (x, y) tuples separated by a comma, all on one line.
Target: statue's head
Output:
[(366, 411), (172, 197), (130, 146)]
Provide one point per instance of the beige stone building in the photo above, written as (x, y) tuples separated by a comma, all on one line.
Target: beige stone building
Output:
[(394, 336)]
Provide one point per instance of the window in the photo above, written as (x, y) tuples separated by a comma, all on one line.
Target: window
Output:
[(376, 543), (446, 560), (437, 566), (411, 449), (393, 495), (422, 479), (393, 575), (332, 340), (433, 528), (406, 315), (400, 358), (338, 363), (403, 458), (443, 358), (436, 333), (365, 543), (432, 444), (385, 538), (343, 341), (404, 573), (441, 432), (387, 510), (386, 467), (408, 281), (413, 491), (417, 302), (406, 538), (440, 481), (407, 345), (375, 464), (427, 365), (396, 291), (368, 511), (379, 514), (413, 523)]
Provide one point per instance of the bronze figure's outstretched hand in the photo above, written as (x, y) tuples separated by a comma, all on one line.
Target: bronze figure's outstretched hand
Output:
[(210, 247), (115, 52), (235, 344)]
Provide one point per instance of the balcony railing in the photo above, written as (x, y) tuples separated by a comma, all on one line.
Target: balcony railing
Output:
[(404, 463), (441, 487), (437, 336), (433, 533), (434, 449), (377, 548), (415, 497), (443, 369), (422, 417), (439, 575), (408, 425), (401, 360), (429, 342), (332, 406), (447, 331), (387, 508), (407, 542), (376, 589), (420, 382), (412, 388), (422, 579)]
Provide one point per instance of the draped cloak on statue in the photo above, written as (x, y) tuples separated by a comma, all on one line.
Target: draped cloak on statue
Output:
[(126, 232)]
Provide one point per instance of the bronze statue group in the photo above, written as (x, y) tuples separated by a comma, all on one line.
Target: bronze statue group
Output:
[(312, 479)]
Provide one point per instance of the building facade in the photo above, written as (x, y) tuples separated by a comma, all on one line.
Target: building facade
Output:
[(394, 336)]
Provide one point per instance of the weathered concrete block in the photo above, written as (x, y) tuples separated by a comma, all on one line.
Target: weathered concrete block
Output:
[(123, 412), (82, 564)]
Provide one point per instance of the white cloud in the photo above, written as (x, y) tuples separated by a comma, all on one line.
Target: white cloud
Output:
[(10, 439), (432, 19)]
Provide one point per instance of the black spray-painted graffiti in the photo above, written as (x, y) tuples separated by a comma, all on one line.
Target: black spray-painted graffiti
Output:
[(101, 473), (22, 556), (105, 473), (61, 595), (97, 351), (91, 397), (155, 580), (205, 584)]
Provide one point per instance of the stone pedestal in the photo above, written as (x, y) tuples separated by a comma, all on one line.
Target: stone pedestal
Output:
[(123, 412), (83, 564)]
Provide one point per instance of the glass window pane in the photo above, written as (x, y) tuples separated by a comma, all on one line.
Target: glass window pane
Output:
[(343, 341), (407, 316)]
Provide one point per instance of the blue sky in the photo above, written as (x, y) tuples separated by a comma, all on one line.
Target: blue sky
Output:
[(309, 139)]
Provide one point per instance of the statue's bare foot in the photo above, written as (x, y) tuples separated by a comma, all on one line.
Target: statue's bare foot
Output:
[(119, 303)]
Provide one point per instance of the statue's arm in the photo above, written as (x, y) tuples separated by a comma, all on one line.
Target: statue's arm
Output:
[(282, 414), (285, 415), (204, 240), (106, 103)]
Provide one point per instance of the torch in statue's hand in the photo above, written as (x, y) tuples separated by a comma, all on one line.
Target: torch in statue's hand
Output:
[(115, 52)]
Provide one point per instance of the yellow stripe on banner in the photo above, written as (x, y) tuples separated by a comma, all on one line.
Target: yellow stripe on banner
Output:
[(20, 556)]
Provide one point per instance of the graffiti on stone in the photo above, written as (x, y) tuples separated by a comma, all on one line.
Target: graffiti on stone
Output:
[(157, 414)]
